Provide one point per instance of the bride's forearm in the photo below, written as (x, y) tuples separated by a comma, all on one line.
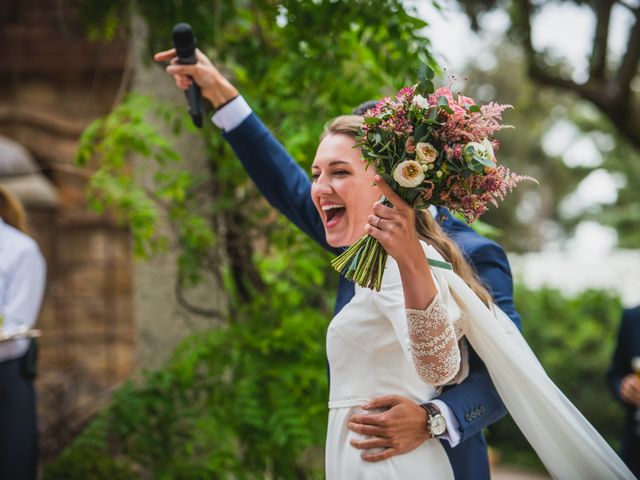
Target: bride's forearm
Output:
[(434, 346), (417, 282)]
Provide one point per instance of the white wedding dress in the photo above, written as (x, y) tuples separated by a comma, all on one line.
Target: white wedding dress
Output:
[(370, 352), (376, 347)]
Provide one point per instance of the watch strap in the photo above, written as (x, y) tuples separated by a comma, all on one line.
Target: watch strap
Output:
[(431, 408), (432, 411)]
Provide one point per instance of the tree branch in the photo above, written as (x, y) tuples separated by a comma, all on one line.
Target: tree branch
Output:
[(523, 26), (626, 5), (184, 303), (536, 70), (543, 76), (599, 51), (239, 252), (610, 93), (629, 66)]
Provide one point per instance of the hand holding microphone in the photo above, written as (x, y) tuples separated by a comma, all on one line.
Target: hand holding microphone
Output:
[(217, 89)]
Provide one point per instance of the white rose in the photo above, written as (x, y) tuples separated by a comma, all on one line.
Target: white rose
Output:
[(426, 153), (488, 153), (420, 101), (484, 150), (408, 174)]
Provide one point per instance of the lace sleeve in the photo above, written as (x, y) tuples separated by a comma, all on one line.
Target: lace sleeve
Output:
[(433, 343)]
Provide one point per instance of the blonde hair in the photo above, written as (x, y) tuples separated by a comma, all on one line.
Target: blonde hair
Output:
[(11, 211), (427, 227), (343, 125)]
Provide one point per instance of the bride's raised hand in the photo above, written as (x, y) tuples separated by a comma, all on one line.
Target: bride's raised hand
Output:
[(394, 227), (213, 84)]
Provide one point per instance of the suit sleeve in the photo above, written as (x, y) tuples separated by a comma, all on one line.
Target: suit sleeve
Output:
[(621, 361), (277, 175), (475, 403)]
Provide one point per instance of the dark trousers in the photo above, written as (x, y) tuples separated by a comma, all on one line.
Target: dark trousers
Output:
[(630, 453), (18, 427), (469, 460)]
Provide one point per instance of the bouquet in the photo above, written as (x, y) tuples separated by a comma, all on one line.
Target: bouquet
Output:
[(432, 149)]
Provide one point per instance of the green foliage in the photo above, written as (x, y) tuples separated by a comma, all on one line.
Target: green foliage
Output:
[(573, 338), (230, 401), (622, 160), (110, 141)]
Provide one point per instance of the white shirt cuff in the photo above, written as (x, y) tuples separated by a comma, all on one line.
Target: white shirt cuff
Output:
[(232, 114), (452, 435)]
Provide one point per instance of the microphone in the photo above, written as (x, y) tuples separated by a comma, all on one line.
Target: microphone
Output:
[(185, 44)]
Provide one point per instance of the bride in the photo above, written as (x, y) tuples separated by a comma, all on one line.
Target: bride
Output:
[(413, 333)]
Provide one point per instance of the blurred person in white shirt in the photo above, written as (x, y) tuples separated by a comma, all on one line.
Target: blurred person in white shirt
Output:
[(22, 283)]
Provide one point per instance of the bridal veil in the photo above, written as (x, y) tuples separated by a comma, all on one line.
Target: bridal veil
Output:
[(567, 444)]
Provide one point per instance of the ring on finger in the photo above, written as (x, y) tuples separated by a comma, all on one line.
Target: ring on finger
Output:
[(378, 222)]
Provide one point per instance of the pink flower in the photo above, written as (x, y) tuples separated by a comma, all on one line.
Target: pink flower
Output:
[(410, 145), (427, 192), (462, 101), (405, 94), (441, 92)]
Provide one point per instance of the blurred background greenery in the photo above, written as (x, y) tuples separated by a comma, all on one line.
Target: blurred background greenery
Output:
[(247, 400)]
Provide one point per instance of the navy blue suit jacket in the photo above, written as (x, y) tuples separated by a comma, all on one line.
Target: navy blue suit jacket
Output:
[(474, 402), (627, 347)]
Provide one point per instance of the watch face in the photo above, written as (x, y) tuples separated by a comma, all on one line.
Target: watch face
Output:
[(438, 425)]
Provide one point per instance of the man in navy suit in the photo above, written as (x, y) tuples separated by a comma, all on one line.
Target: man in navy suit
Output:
[(467, 407), (625, 385)]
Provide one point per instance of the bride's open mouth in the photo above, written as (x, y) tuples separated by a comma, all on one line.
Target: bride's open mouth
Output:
[(333, 214)]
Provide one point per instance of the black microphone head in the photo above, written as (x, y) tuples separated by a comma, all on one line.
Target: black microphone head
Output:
[(184, 40)]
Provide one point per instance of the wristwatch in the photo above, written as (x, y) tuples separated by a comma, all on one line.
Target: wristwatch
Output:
[(436, 423)]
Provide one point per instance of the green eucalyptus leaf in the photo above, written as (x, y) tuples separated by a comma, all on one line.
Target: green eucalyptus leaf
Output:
[(443, 101), (475, 165), (420, 131), (429, 87), (484, 161), (425, 87), (425, 72), (453, 166)]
